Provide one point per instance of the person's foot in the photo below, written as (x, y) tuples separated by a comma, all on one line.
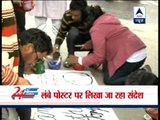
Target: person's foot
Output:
[(147, 117), (152, 112), (67, 64), (147, 68)]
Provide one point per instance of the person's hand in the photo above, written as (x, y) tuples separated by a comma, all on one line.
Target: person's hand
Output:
[(29, 69), (22, 81), (55, 48), (72, 59), (87, 45)]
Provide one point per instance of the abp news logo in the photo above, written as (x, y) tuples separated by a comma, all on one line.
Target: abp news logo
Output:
[(139, 15)]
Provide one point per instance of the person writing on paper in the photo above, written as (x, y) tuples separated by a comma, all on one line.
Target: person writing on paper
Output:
[(34, 44), (116, 46), (73, 23)]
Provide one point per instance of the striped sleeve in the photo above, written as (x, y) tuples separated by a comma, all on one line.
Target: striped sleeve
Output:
[(8, 76), (65, 25), (10, 53)]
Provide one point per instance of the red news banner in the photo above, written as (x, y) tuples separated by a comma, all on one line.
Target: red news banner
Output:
[(95, 95)]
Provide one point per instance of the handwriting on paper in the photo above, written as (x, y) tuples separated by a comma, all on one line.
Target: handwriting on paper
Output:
[(75, 114), (62, 78)]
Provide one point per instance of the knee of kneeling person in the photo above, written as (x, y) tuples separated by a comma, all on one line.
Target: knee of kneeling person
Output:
[(73, 32)]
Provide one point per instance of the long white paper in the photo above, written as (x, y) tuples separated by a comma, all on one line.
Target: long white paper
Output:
[(74, 114), (62, 78)]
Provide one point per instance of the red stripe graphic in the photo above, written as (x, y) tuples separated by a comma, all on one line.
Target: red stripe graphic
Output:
[(8, 31)]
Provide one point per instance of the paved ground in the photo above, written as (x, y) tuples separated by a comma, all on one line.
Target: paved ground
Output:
[(147, 32)]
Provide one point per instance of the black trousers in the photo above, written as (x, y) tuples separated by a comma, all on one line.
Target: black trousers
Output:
[(75, 38), (20, 17), (24, 113), (121, 74)]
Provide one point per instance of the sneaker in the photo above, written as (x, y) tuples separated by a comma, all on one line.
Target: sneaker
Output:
[(147, 68), (147, 117), (66, 64)]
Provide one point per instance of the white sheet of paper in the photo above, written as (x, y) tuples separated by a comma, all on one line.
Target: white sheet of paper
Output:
[(74, 114), (73, 78), (62, 78)]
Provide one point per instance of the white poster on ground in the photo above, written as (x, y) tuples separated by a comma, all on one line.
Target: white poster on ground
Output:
[(62, 78), (73, 114)]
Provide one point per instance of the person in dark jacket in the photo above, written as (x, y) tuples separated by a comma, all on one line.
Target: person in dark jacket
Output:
[(75, 26)]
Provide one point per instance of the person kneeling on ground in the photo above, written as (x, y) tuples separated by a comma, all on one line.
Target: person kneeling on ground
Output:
[(75, 24), (115, 46)]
